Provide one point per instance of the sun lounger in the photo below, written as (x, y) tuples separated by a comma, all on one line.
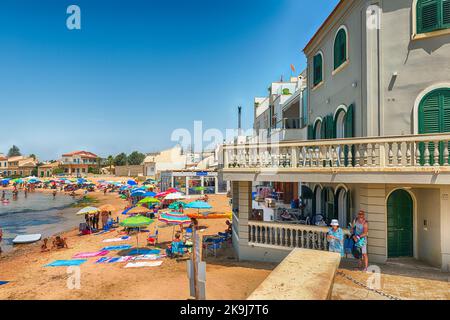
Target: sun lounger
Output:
[(143, 264), (66, 263), (91, 254), (113, 260), (3, 282), (122, 247)]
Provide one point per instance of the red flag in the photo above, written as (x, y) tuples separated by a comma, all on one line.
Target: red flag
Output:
[(292, 68)]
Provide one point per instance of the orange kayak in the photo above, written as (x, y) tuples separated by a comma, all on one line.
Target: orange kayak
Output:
[(210, 216)]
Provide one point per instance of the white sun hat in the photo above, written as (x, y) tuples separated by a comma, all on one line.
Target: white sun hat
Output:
[(334, 222)]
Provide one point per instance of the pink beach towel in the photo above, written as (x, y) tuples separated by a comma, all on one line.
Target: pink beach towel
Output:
[(91, 254)]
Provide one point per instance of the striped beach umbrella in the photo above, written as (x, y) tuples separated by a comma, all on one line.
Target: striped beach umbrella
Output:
[(174, 218), (88, 210)]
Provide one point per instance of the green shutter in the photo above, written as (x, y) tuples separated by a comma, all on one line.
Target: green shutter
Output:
[(428, 15), (317, 69), (349, 122), (446, 13), (310, 132), (434, 117), (329, 127), (340, 49)]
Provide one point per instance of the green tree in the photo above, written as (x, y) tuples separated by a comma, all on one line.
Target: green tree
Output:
[(14, 151), (136, 158), (120, 159), (33, 156), (110, 162)]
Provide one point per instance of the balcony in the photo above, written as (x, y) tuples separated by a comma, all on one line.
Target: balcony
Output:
[(390, 159)]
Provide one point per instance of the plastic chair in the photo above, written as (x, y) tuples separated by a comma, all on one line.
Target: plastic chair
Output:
[(152, 239)]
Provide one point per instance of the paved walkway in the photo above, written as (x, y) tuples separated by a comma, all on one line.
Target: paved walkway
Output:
[(404, 279)]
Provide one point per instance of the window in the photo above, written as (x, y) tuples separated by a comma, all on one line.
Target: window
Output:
[(317, 69), (340, 48), (432, 15)]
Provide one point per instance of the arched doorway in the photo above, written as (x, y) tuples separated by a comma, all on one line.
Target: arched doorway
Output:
[(318, 130), (328, 209), (400, 224), (317, 203), (340, 123)]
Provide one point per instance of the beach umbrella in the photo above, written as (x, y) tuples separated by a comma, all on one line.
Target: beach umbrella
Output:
[(172, 190), (131, 183), (199, 188), (106, 208), (138, 193), (123, 197), (148, 200), (161, 194), (175, 196), (175, 205), (174, 218), (88, 210), (136, 222), (149, 194), (198, 205)]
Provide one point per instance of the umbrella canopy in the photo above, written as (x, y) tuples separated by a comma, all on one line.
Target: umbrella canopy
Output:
[(172, 190), (106, 208), (136, 222), (88, 210), (198, 205), (175, 196), (199, 188), (138, 193), (149, 194), (131, 182), (149, 200), (175, 205), (123, 196), (137, 210), (174, 218), (161, 194)]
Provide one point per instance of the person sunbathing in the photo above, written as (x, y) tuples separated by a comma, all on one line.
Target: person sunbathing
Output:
[(44, 247), (60, 243)]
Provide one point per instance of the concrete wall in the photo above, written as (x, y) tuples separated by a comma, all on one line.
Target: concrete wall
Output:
[(129, 171)]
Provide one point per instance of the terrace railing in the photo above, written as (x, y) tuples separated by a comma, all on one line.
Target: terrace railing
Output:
[(411, 152), (288, 236)]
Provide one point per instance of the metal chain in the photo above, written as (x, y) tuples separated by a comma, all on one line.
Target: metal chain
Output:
[(389, 296)]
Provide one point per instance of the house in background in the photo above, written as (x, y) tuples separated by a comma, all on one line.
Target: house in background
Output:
[(79, 162), (21, 166), (378, 115), (47, 169), (3, 165)]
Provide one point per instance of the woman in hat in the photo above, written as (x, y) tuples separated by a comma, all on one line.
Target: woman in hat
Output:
[(335, 238)]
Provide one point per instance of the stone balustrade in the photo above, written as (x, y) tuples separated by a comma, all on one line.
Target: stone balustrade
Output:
[(288, 236), (408, 152)]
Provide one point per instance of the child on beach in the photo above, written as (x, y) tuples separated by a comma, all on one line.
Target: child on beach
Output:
[(44, 247), (60, 243)]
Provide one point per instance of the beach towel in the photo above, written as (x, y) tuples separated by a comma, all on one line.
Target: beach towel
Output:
[(147, 257), (103, 260), (91, 254), (113, 260), (143, 264), (144, 251), (122, 247), (102, 232), (66, 263), (3, 282), (117, 239), (124, 259)]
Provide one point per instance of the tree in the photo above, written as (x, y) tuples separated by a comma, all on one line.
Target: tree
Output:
[(136, 158), (110, 163), (14, 151), (33, 156), (120, 159)]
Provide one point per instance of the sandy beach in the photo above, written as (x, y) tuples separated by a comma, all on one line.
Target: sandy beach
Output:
[(29, 279)]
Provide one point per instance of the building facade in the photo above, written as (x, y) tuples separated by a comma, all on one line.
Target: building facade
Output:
[(79, 162), (378, 101)]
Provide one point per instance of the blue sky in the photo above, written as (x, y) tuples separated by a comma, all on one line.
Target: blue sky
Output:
[(137, 70)]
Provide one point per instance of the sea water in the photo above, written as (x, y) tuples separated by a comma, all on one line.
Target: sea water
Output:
[(36, 213)]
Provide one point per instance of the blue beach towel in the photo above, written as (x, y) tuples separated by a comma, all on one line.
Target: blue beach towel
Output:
[(144, 251), (102, 260), (3, 282), (66, 263), (112, 260), (122, 247)]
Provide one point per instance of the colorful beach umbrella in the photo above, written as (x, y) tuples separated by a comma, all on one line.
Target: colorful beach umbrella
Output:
[(198, 205), (131, 182), (136, 222), (174, 218), (137, 210), (88, 210), (149, 200), (175, 205), (175, 196)]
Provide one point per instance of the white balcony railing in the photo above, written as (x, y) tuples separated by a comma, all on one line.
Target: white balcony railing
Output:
[(288, 236), (409, 152)]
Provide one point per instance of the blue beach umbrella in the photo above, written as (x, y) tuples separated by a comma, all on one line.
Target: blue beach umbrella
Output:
[(131, 182), (198, 205)]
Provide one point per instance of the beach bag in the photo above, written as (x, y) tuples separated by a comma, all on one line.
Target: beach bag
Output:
[(348, 245), (356, 252)]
